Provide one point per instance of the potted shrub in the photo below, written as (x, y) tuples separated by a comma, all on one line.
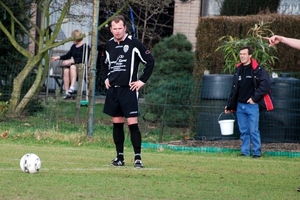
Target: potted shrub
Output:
[(263, 53)]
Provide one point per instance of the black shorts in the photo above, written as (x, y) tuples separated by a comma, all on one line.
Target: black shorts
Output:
[(121, 102)]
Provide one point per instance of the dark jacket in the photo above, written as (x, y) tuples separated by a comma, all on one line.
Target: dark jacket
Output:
[(78, 53), (262, 85)]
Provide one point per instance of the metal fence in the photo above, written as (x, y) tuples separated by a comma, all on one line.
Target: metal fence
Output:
[(279, 125), (193, 119)]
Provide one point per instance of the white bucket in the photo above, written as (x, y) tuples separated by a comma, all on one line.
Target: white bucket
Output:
[(226, 125)]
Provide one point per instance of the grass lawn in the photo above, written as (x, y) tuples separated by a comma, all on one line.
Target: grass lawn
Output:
[(83, 172), (78, 167)]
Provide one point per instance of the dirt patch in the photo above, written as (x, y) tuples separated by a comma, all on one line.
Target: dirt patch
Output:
[(235, 144)]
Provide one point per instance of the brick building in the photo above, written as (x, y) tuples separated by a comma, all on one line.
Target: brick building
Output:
[(186, 14)]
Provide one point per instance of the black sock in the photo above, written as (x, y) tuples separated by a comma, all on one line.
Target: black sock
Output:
[(120, 156), (119, 138), (136, 140), (137, 156)]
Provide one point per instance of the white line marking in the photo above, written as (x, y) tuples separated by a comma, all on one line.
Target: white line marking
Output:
[(85, 169)]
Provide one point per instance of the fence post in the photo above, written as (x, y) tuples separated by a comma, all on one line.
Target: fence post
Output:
[(163, 119), (94, 54), (79, 91)]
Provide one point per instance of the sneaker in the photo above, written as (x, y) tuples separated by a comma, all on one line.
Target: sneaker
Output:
[(117, 162), (70, 91), (138, 164), (67, 96), (256, 156)]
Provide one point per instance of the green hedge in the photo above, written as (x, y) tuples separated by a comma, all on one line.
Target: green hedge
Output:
[(210, 29)]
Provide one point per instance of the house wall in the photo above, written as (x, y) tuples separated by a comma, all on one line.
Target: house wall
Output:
[(186, 15)]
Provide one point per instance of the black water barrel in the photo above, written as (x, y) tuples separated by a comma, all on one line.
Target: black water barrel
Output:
[(283, 123), (216, 86), (279, 126), (285, 88), (215, 90)]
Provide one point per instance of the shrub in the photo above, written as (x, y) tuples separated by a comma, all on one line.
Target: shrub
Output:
[(263, 53), (170, 85)]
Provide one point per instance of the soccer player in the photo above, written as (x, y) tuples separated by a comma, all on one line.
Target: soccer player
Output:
[(120, 65)]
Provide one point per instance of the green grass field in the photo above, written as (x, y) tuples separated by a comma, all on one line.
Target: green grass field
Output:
[(84, 172), (78, 167)]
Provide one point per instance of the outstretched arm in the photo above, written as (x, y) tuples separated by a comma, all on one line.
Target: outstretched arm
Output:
[(276, 39)]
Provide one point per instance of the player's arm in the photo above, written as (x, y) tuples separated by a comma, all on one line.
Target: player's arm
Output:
[(276, 39), (292, 42)]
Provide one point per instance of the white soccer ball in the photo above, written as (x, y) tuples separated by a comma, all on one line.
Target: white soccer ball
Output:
[(30, 163)]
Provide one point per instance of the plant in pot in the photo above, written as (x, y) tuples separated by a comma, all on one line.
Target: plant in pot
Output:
[(263, 53)]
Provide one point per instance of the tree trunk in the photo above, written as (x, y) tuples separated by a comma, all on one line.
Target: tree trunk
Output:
[(17, 104), (45, 42)]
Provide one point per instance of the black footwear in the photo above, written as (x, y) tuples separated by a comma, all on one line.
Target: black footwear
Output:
[(138, 164), (117, 162), (67, 96), (243, 154), (256, 156)]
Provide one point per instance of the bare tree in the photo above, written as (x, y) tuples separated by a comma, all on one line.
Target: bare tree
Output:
[(147, 26), (148, 18), (45, 41)]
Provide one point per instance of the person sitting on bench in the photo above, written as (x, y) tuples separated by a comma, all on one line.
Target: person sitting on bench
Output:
[(71, 61)]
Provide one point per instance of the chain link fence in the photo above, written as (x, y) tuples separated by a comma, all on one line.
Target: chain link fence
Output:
[(195, 117)]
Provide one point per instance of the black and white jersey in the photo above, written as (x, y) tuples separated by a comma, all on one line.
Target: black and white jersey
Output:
[(120, 61)]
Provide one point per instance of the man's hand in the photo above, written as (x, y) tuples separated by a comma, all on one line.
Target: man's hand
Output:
[(227, 111), (250, 101), (67, 62), (275, 39), (136, 85), (107, 84)]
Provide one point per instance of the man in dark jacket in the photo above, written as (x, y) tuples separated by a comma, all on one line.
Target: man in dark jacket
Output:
[(249, 93)]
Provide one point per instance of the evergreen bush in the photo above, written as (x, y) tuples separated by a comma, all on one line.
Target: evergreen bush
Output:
[(171, 82)]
